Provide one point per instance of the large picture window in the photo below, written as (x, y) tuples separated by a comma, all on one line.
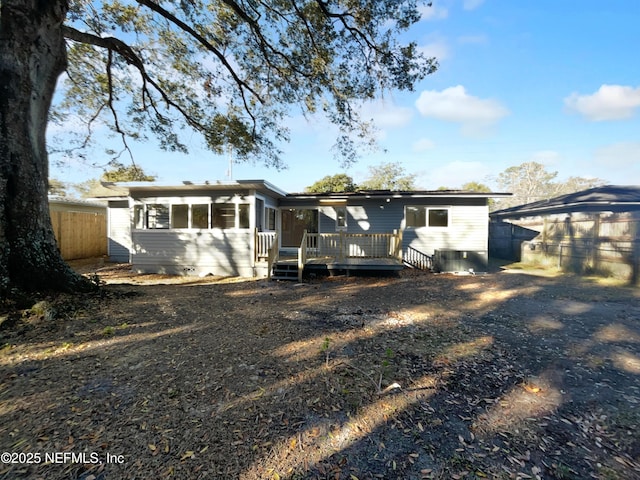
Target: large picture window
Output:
[(418, 216), (197, 216)]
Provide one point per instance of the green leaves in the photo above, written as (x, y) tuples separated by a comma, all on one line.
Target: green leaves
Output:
[(192, 64)]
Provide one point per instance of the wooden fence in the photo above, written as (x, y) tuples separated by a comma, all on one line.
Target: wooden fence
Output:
[(80, 234), (596, 243)]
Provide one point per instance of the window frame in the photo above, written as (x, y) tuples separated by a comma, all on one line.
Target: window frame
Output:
[(344, 225), (159, 214), (433, 209), (269, 217), (424, 213)]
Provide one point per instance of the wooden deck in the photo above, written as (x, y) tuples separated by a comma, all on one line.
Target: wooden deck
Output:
[(355, 263), (333, 265)]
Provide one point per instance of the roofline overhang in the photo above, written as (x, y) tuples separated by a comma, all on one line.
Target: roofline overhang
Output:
[(565, 208), (187, 186), (393, 194)]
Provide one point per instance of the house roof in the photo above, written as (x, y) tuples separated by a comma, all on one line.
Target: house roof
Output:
[(75, 202), (123, 189), (397, 194), (608, 198)]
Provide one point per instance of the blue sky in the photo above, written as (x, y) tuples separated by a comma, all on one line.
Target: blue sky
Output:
[(556, 82)]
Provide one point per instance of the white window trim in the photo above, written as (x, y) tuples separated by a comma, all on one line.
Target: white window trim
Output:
[(448, 209), (426, 216), (170, 204), (341, 228)]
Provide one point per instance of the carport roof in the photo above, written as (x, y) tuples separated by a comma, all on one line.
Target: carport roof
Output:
[(608, 198)]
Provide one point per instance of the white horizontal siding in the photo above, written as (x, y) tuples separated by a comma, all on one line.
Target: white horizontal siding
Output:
[(216, 252), (468, 230), (119, 233)]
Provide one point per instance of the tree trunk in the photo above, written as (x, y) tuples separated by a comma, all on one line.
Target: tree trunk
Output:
[(32, 57)]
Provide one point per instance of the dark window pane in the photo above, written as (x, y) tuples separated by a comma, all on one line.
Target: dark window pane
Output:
[(223, 215), (180, 216), (200, 216), (243, 212), (438, 218)]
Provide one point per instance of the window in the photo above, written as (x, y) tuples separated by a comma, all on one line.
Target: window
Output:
[(243, 215), (223, 215), (438, 217), (200, 216), (341, 218), (157, 216), (417, 217), (138, 216), (270, 213), (180, 216)]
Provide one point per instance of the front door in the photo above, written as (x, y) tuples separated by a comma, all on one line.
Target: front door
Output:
[(294, 222)]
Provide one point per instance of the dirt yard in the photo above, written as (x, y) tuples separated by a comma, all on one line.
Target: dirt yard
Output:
[(508, 375)]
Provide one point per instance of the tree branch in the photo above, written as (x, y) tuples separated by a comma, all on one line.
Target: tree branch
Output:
[(113, 44), (242, 85), (116, 122)]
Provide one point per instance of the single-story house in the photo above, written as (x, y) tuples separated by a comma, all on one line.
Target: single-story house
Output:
[(593, 230), (241, 227)]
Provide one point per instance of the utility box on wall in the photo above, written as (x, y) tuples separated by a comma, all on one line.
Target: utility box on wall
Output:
[(460, 261)]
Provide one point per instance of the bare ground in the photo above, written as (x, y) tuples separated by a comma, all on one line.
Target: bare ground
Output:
[(508, 375)]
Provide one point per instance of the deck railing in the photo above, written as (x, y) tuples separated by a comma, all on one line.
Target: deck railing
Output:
[(263, 242), (417, 259), (343, 245), (266, 248), (302, 254)]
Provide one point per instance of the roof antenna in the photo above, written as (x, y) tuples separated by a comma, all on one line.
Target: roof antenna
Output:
[(230, 170)]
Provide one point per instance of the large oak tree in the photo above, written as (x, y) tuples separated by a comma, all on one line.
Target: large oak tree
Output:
[(229, 69)]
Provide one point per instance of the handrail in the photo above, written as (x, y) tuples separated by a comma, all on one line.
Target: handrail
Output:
[(263, 242), (417, 259), (272, 258), (302, 255)]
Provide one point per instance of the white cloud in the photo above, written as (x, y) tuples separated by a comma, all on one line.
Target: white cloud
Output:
[(471, 4), (434, 12), (454, 104), (386, 114), (610, 102), (422, 145), (438, 48), (619, 155)]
